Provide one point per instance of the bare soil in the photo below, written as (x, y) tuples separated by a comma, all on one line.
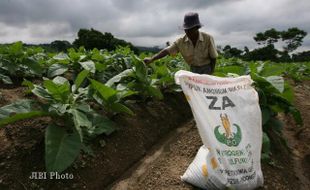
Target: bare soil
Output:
[(22, 145)]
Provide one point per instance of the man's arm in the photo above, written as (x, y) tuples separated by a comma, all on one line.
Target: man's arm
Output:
[(212, 63), (212, 53), (159, 55)]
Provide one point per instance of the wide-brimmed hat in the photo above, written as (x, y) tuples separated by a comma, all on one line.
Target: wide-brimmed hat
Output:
[(191, 20)]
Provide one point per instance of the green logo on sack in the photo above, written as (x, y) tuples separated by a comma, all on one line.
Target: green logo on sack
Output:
[(228, 137)]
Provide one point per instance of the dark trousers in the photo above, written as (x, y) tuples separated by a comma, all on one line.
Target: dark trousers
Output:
[(205, 69)]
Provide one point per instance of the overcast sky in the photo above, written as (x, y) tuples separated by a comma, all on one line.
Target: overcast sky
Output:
[(150, 22)]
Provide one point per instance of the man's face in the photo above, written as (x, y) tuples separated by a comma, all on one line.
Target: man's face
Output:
[(190, 33)]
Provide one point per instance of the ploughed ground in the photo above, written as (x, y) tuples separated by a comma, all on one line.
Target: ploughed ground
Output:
[(149, 151)]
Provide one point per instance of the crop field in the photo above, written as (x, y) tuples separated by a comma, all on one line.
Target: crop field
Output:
[(104, 120)]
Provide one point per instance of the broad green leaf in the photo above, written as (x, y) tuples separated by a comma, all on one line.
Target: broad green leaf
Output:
[(266, 143), (260, 68), (266, 114), (89, 65), (20, 116), (118, 78), (277, 82), (33, 66), (21, 109), (120, 108), (84, 108), (5, 79), (80, 119), (60, 80), (19, 106), (56, 69), (28, 83), (288, 93), (125, 93), (270, 69), (79, 79), (140, 69), (101, 124), (253, 67), (264, 85), (100, 67), (61, 148), (41, 92), (59, 92), (155, 92), (74, 56), (61, 56), (59, 108), (107, 93)]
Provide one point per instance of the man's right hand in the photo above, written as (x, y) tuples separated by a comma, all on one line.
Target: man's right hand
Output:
[(159, 55), (148, 60)]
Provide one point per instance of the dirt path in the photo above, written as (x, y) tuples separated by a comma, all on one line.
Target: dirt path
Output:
[(163, 166), (298, 138), (166, 162)]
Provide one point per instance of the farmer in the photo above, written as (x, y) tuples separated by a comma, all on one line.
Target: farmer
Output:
[(196, 47)]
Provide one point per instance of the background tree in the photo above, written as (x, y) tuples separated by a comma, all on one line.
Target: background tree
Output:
[(229, 51), (91, 39), (301, 56), (61, 45), (268, 52), (293, 38), (268, 37)]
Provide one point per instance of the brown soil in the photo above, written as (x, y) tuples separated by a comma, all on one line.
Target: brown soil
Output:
[(22, 150), (150, 151)]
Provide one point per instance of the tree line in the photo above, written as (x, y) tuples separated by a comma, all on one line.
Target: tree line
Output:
[(91, 39), (290, 39), (267, 41)]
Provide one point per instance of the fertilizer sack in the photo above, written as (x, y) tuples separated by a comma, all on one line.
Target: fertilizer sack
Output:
[(229, 121)]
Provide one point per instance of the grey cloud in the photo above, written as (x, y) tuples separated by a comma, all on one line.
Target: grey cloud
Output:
[(149, 22)]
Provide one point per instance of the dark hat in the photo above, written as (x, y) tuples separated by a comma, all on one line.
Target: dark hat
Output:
[(191, 20)]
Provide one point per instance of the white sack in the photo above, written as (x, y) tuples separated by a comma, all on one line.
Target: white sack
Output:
[(229, 121)]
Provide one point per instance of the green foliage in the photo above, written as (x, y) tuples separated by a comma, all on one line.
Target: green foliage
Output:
[(229, 52), (92, 38), (18, 61), (269, 36), (264, 53), (61, 148), (136, 80), (301, 57), (108, 79), (293, 38), (61, 45), (73, 120), (109, 98)]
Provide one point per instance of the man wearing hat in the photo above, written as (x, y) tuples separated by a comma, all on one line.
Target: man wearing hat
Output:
[(196, 47)]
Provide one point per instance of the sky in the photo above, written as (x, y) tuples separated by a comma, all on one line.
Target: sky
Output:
[(150, 22)]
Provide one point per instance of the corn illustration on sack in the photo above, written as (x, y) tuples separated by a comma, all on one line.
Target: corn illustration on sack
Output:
[(229, 121)]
